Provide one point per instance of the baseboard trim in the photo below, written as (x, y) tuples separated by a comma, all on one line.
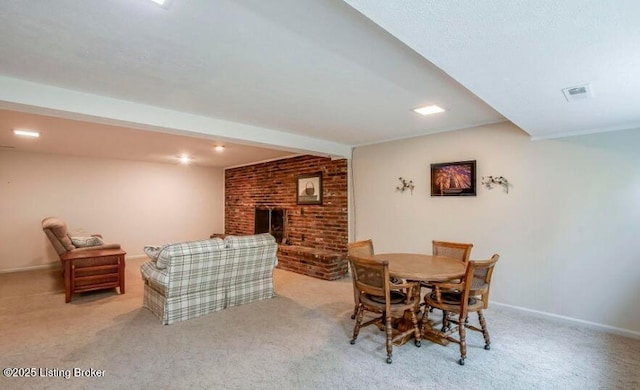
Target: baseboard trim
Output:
[(593, 325), (32, 268), (137, 257), (57, 265)]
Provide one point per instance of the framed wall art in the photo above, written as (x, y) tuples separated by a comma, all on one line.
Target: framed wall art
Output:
[(453, 178), (309, 189)]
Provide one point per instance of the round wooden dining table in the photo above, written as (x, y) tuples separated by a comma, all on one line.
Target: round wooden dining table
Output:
[(422, 267)]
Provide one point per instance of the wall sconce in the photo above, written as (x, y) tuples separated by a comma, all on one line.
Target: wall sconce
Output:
[(489, 181), (405, 185)]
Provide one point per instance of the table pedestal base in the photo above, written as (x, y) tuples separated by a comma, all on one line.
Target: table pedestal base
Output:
[(426, 328)]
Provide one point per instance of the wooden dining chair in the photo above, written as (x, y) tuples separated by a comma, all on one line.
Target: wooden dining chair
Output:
[(457, 298), (454, 250), (462, 251), (362, 248), (379, 295)]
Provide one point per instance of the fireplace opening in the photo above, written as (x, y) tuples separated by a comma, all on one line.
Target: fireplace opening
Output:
[(270, 220)]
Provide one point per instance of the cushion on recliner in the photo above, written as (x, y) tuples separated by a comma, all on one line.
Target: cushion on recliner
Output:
[(85, 242), (59, 230)]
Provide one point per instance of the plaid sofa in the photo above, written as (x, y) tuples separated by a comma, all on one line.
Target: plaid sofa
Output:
[(194, 278)]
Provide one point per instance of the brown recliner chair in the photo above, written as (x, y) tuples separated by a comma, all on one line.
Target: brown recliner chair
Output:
[(85, 268)]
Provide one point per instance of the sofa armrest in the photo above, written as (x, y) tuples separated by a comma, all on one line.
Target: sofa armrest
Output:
[(158, 279)]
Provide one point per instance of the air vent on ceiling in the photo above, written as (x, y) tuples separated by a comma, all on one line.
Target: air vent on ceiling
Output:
[(578, 92)]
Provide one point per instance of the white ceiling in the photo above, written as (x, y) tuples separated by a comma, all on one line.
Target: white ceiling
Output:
[(316, 75), (517, 55)]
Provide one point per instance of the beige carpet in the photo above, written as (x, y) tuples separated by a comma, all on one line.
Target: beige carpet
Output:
[(298, 340)]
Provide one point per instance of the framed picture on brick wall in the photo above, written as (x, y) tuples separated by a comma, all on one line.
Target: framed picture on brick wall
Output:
[(309, 189)]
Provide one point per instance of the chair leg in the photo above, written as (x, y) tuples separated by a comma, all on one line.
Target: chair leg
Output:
[(416, 329), (356, 300), (67, 281), (485, 331), (121, 265), (389, 332), (463, 343), (426, 307), (356, 327), (424, 316), (445, 321)]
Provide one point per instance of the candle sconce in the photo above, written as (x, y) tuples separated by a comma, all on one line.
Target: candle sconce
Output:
[(490, 181), (405, 185)]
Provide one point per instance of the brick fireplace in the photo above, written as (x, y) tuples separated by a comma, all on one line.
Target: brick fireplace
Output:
[(313, 237), (271, 220)]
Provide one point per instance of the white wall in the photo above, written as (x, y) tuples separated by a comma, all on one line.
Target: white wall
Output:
[(132, 203), (568, 231)]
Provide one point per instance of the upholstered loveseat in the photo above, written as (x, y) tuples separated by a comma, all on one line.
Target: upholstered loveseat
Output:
[(195, 278)]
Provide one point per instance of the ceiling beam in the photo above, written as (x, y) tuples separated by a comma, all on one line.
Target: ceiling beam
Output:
[(44, 99)]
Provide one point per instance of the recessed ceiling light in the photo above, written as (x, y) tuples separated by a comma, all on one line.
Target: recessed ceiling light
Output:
[(428, 110), (184, 159), (26, 133), (219, 148), (163, 3)]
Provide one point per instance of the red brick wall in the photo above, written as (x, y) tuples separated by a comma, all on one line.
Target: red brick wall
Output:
[(274, 184), (313, 262)]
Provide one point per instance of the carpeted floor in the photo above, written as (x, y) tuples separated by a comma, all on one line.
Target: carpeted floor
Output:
[(298, 340)]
